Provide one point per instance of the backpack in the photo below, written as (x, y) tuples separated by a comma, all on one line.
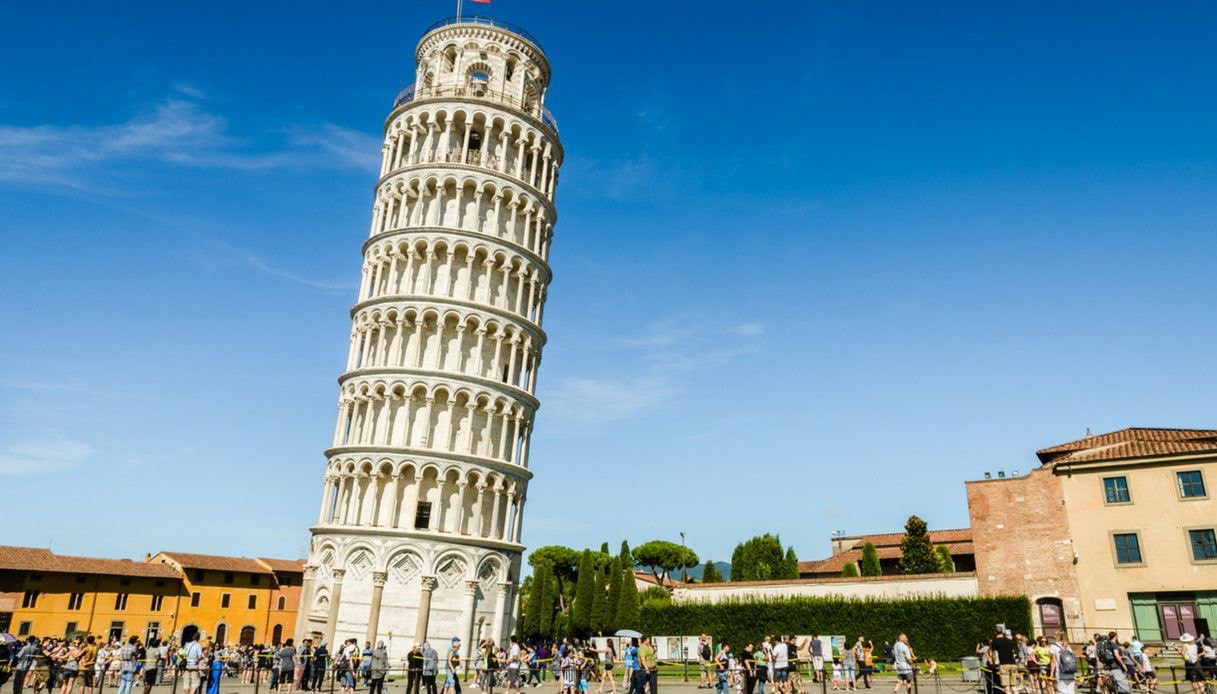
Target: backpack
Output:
[(1067, 661), (1107, 653), (705, 651)]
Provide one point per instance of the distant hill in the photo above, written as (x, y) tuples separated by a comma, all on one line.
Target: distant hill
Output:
[(695, 573)]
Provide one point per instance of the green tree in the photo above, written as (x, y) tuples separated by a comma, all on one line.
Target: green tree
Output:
[(540, 615), (849, 570), (654, 594), (604, 548), (917, 553), (790, 564), (946, 563), (661, 558), (627, 559), (563, 561), (613, 599), (599, 604), (711, 574), (870, 560), (627, 607), (758, 559), (581, 611)]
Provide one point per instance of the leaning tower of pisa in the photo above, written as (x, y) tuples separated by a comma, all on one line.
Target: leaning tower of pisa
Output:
[(419, 530)]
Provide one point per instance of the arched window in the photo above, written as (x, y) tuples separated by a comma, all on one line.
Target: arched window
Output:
[(221, 634), (1051, 616), (247, 636), (282, 603), (450, 58), (276, 635), (189, 632)]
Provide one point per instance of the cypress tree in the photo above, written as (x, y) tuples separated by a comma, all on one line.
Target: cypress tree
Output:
[(627, 608), (870, 561), (599, 604), (849, 570), (918, 554), (790, 564), (581, 611), (946, 563), (711, 574), (604, 548), (614, 596), (547, 589), (627, 559)]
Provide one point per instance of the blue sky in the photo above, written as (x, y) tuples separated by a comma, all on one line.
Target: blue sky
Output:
[(817, 262)]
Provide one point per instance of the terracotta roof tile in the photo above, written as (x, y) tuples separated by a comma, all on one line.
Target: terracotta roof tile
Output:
[(831, 579), (835, 563), (211, 562), (1134, 442), (283, 565), (39, 559)]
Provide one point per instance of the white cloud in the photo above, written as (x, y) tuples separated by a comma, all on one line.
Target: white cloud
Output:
[(221, 254), (585, 401), (177, 131), (37, 458)]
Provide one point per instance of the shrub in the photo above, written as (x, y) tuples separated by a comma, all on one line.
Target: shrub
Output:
[(938, 627)]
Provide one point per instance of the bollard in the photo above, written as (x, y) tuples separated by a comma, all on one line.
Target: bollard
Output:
[(1174, 680), (916, 686), (333, 676), (256, 677), (823, 683)]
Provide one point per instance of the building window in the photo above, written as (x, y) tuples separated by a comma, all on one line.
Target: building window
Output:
[(157, 601), (30, 599), (255, 580), (1115, 490), (285, 579), (75, 600), (1191, 484), (422, 517), (23, 629), (224, 599), (282, 603), (1128, 548), (69, 630), (120, 601), (253, 602), (229, 577), (116, 631), (1204, 544), (194, 599), (198, 576)]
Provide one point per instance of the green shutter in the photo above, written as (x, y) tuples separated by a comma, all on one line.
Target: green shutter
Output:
[(1145, 616), (1206, 606)]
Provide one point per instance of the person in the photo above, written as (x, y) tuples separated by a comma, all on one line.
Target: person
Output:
[(648, 666), (781, 664), (1145, 668), (430, 667), (836, 672), (630, 656), (747, 663), (817, 658), (320, 656), (1039, 663), (513, 665), (1064, 667), (69, 665), (193, 658), (25, 662), (342, 667), (762, 669), (902, 661), (452, 669), (610, 661), (286, 657), (705, 657), (1003, 652), (414, 669), (151, 664), (849, 667), (306, 664), (378, 669), (723, 667), (862, 658), (365, 663), (1190, 652), (216, 670), (1113, 662), (88, 663), (796, 653)]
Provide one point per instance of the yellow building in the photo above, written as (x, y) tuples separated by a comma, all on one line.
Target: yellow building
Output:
[(46, 594), (1115, 532), (236, 599)]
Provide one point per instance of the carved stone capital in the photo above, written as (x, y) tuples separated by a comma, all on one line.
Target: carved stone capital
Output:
[(379, 578), (429, 583)]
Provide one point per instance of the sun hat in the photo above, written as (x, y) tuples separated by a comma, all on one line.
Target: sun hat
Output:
[(1187, 638)]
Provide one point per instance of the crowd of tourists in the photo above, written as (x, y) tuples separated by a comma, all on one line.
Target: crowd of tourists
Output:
[(1043, 665), (1009, 664)]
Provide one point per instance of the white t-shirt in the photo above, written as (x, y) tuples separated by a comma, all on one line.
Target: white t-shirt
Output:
[(903, 655), (780, 657), (513, 658)]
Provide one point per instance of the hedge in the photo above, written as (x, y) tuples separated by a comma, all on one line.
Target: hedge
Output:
[(938, 627)]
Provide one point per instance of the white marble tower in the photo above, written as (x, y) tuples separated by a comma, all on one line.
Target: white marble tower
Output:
[(419, 531)]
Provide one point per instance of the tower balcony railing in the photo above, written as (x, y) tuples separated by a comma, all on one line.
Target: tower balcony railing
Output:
[(477, 91), (487, 21)]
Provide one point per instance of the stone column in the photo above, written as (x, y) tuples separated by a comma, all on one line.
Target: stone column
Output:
[(424, 609), (471, 594), (378, 589), (331, 620), (306, 601), (500, 610)]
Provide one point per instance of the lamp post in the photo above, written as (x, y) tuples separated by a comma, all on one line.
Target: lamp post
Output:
[(684, 576)]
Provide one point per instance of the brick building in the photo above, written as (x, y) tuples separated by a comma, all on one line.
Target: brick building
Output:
[(1112, 532)]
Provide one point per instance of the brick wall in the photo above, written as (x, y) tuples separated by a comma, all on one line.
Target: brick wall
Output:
[(1021, 536)]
